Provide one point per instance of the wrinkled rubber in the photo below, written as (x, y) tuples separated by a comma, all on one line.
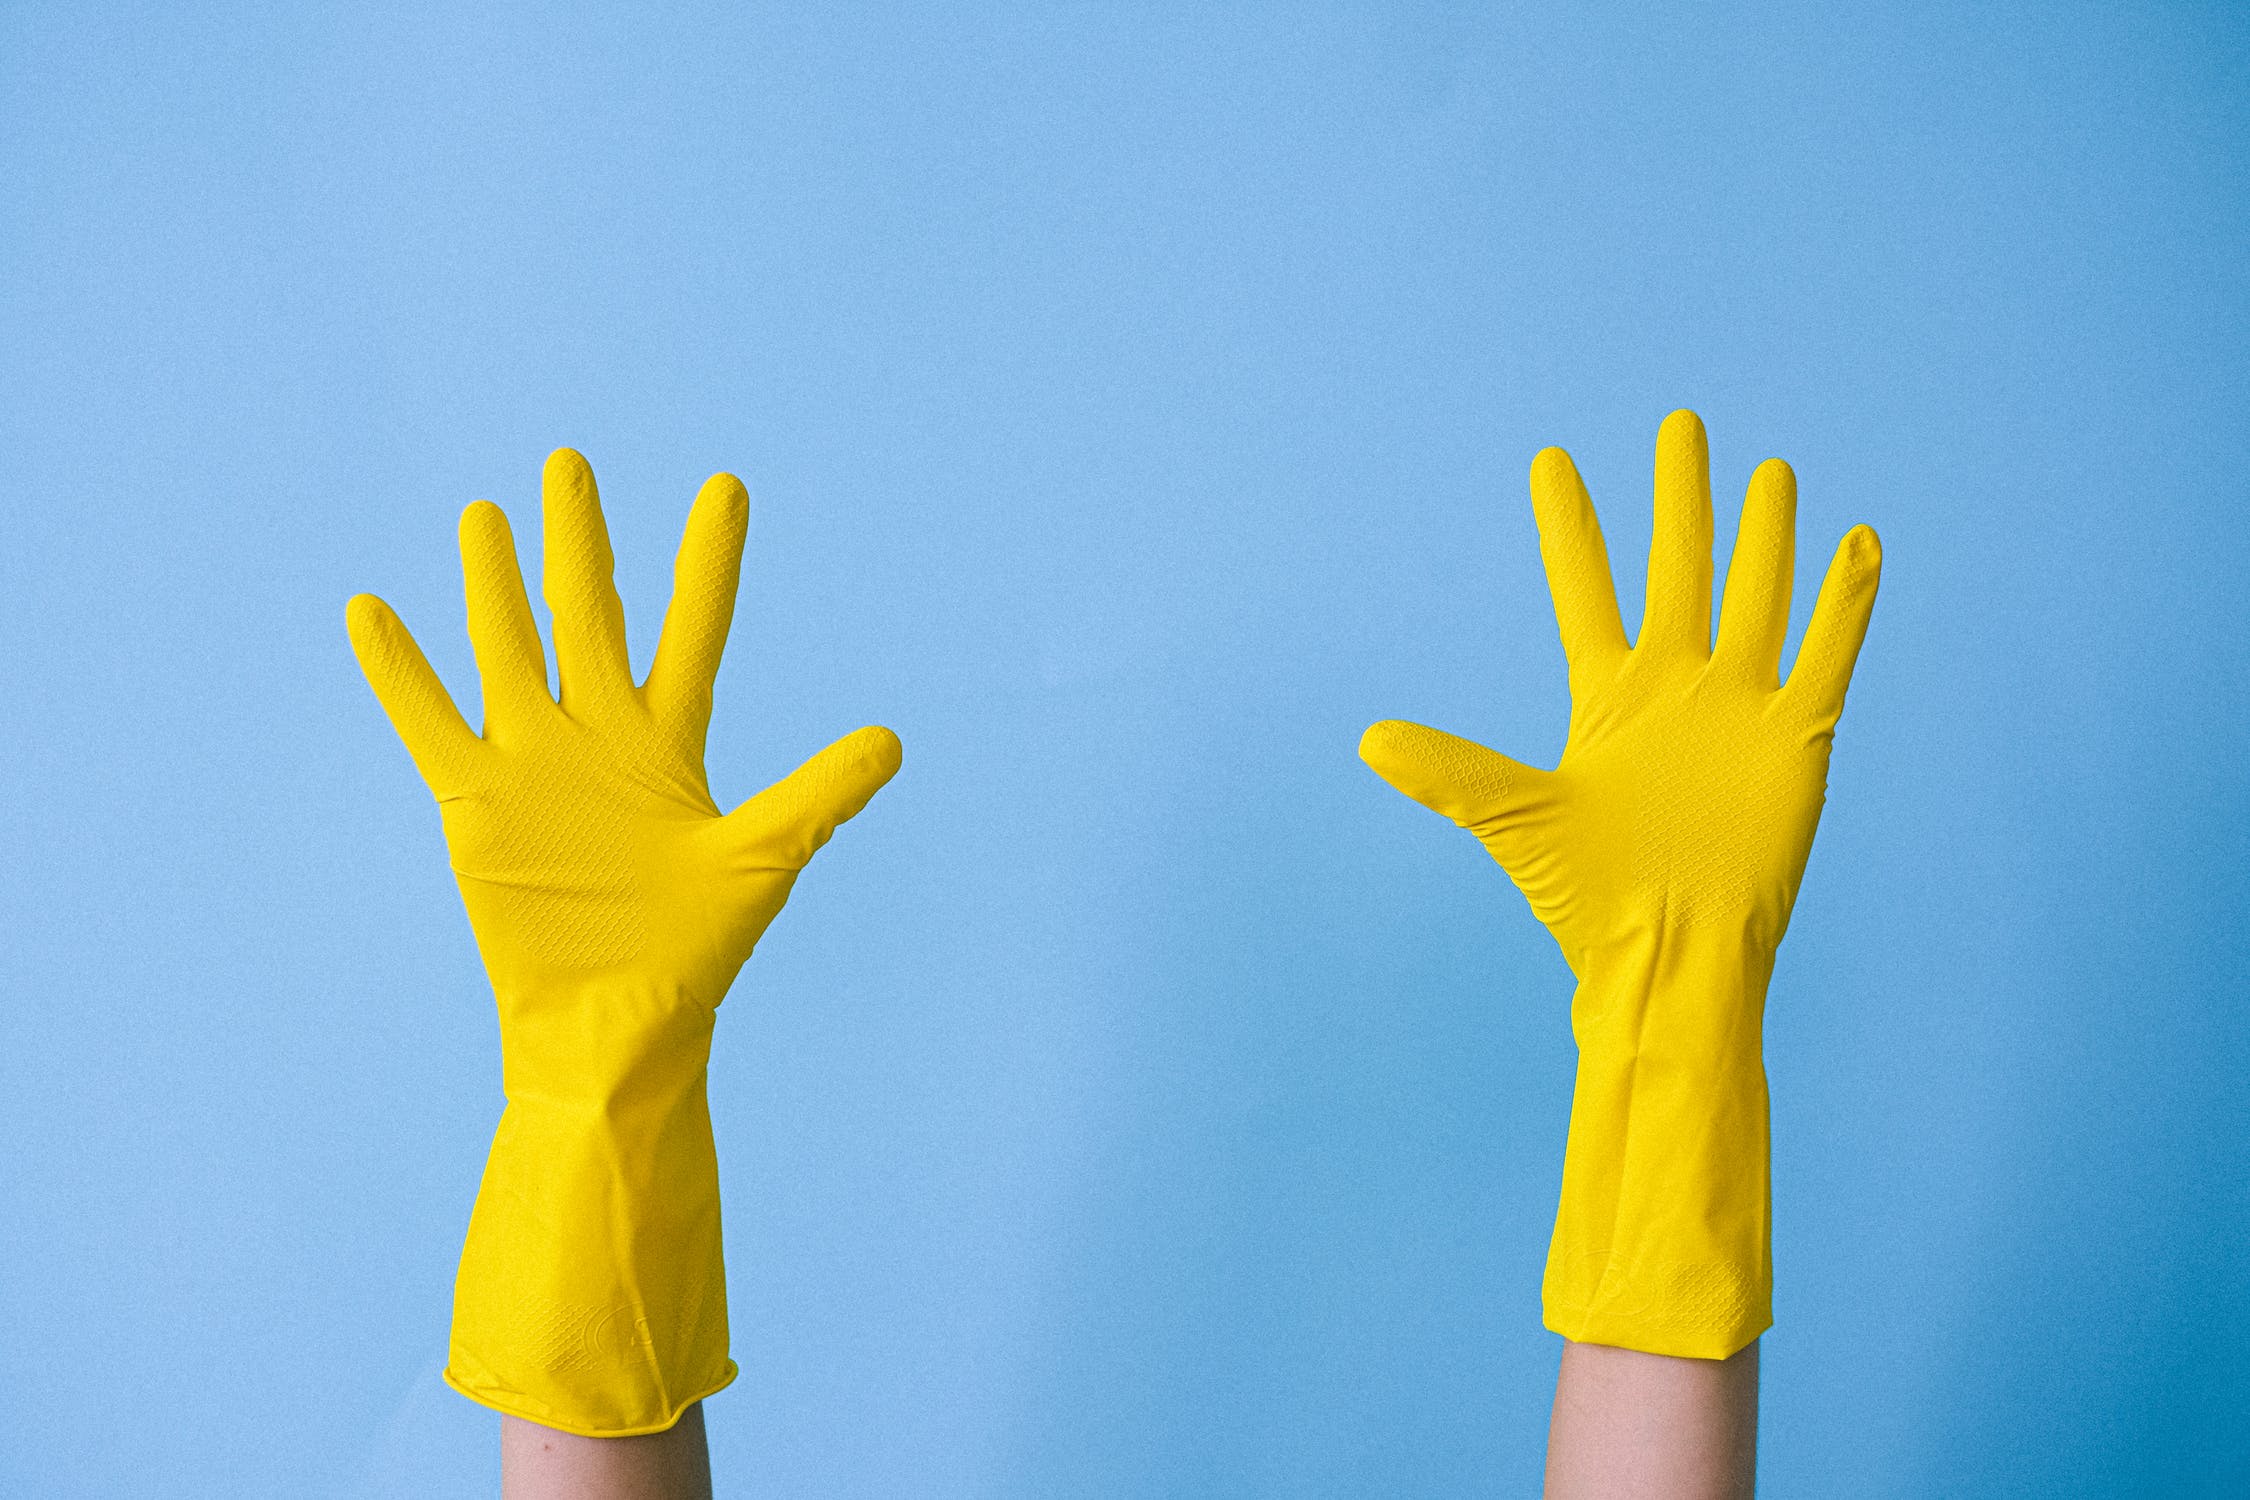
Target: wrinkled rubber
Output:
[(613, 905), (1664, 853)]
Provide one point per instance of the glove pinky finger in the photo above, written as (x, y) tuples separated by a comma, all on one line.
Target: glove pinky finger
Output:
[(1823, 671)]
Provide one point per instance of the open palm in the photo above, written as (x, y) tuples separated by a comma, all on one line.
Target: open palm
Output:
[(582, 830)]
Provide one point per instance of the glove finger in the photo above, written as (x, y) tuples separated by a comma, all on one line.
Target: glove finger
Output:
[(1570, 543), (704, 579), (1479, 789), (589, 621), (1677, 614), (1754, 620), (786, 824), (510, 659), (416, 703), (1839, 624)]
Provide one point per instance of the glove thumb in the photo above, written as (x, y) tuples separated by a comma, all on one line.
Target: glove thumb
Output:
[(1482, 790), (785, 825)]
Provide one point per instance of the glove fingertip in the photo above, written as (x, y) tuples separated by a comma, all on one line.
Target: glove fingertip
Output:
[(835, 784), (1774, 471), (567, 466), (484, 524), (1374, 736), (368, 620), (1864, 548), (869, 758), (1552, 472), (884, 748), (726, 491), (1385, 745)]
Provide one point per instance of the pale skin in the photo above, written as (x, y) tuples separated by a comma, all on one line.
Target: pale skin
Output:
[(539, 1463), (1633, 1424), (1625, 1424)]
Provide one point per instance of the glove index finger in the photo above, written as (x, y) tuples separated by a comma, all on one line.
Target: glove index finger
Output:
[(1577, 560), (1456, 778), (416, 703)]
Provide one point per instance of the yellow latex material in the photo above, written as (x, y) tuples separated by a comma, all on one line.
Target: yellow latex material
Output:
[(613, 905), (1663, 853)]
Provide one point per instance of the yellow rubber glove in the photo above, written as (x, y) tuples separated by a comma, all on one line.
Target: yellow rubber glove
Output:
[(1663, 853), (613, 906)]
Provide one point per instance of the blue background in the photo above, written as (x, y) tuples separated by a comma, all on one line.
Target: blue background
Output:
[(1142, 1100)]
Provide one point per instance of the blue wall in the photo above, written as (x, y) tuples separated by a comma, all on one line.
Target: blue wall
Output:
[(1143, 1100)]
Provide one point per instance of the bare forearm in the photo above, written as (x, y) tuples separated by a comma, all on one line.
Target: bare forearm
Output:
[(539, 1463), (1649, 1425)]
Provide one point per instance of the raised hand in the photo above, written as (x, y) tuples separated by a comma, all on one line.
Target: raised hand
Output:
[(582, 832), (1664, 853), (613, 905)]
